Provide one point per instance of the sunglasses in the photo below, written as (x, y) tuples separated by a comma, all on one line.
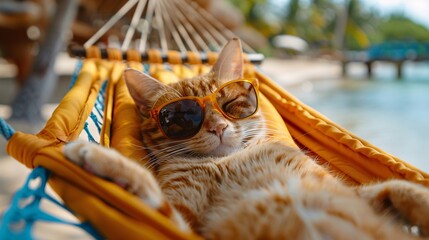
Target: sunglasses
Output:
[(182, 118)]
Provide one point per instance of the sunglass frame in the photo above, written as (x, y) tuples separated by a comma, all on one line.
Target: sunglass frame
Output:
[(154, 113)]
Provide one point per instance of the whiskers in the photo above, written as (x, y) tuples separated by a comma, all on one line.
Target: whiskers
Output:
[(159, 153), (247, 132)]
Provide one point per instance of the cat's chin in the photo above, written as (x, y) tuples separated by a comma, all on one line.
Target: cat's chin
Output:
[(223, 150)]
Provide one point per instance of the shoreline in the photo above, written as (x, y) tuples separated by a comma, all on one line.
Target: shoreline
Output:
[(292, 72)]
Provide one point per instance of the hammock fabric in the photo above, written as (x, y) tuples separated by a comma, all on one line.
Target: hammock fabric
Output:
[(115, 213)]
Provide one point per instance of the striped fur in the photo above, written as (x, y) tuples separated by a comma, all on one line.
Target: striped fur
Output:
[(247, 190)]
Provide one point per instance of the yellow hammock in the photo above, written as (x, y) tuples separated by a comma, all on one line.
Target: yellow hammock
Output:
[(117, 214)]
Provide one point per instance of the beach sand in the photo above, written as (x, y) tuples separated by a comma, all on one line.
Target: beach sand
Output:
[(286, 72), (289, 72)]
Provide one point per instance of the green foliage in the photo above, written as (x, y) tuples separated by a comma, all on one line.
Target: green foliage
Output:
[(247, 6), (316, 21), (254, 12), (398, 27)]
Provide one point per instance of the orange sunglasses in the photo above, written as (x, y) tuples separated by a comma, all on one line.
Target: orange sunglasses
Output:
[(182, 118)]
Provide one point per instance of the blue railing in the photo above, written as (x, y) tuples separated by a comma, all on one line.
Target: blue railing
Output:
[(399, 51)]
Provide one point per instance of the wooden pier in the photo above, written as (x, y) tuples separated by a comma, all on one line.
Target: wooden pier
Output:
[(396, 53)]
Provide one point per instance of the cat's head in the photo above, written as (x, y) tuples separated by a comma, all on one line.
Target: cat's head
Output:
[(218, 136)]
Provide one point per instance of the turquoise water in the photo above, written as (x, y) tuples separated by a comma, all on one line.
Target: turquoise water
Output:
[(391, 114)]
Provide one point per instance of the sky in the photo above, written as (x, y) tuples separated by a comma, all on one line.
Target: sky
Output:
[(418, 10)]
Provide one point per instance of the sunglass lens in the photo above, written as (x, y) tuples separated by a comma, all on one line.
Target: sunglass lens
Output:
[(181, 119), (238, 100)]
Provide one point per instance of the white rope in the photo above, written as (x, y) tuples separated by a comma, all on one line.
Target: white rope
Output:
[(108, 25), (176, 37), (214, 22), (181, 25), (161, 30), (191, 30), (195, 19), (181, 30), (134, 23), (147, 25)]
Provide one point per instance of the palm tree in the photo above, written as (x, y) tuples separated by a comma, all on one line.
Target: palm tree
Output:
[(353, 26), (319, 18), (291, 20)]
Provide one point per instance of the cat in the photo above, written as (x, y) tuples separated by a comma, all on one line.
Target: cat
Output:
[(228, 181)]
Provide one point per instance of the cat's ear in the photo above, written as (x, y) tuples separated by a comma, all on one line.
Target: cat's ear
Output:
[(143, 89), (229, 65)]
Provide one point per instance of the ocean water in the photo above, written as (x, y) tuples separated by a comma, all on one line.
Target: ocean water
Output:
[(389, 113)]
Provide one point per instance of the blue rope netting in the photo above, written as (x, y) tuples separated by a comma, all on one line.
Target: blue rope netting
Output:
[(18, 220), (146, 68), (76, 73), (97, 112), (5, 129)]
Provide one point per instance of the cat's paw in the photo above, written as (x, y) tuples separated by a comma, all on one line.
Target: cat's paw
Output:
[(89, 156), (110, 164)]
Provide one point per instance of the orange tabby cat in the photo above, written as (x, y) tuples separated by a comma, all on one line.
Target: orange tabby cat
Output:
[(210, 177)]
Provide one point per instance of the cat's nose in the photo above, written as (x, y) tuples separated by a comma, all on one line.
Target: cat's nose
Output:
[(218, 128)]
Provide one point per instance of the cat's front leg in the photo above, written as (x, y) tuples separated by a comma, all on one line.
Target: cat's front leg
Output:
[(136, 179), (108, 163)]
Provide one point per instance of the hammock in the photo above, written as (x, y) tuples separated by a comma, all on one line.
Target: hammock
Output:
[(99, 97)]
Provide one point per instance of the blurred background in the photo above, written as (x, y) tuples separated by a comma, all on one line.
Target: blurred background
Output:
[(362, 63)]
